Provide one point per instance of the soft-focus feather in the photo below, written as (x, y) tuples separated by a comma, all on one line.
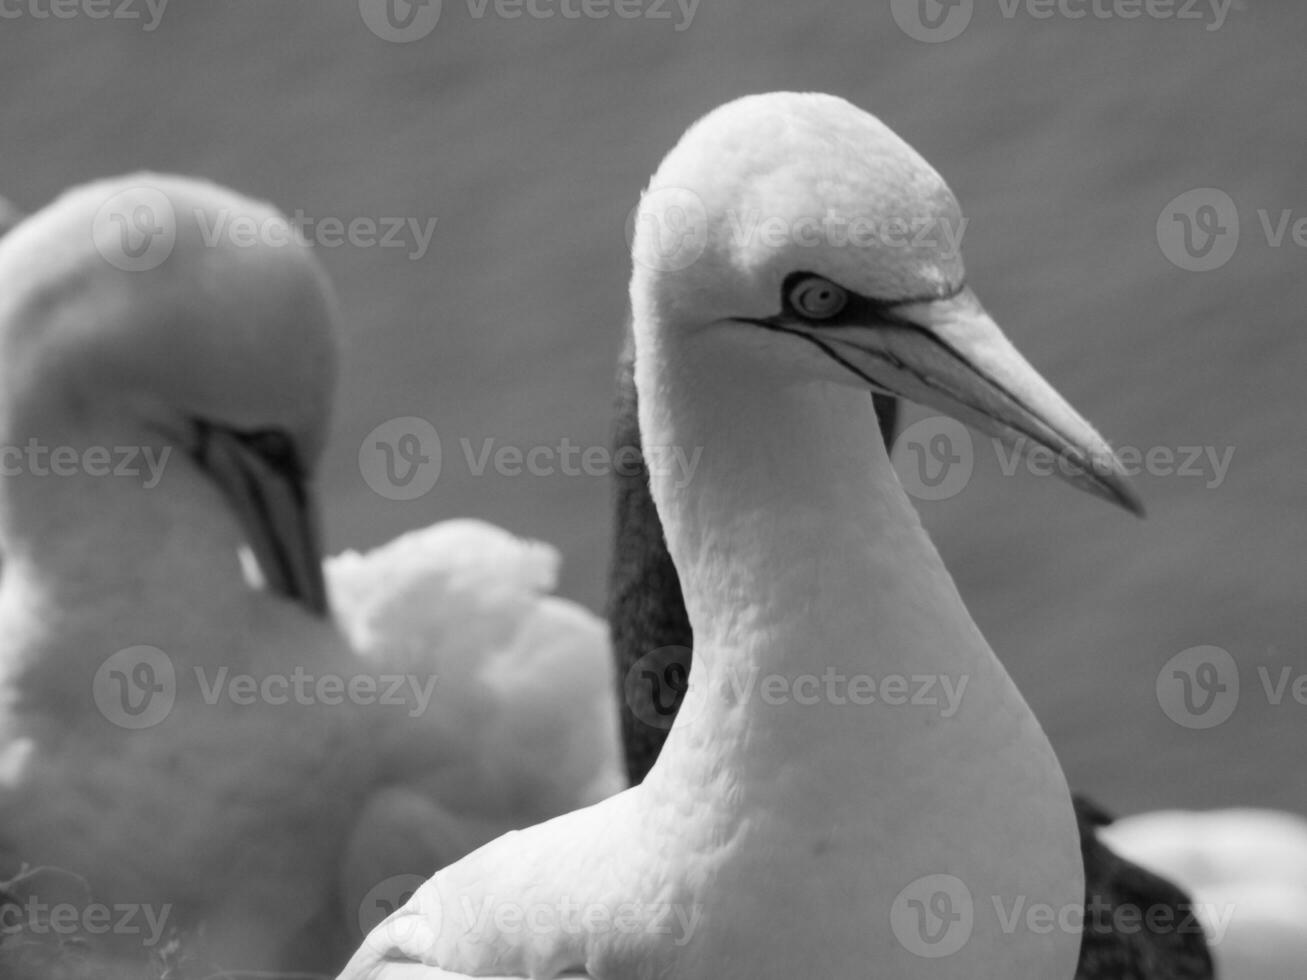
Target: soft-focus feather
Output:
[(1247, 872), (522, 724)]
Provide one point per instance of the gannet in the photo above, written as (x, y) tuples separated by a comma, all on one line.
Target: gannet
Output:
[(153, 423), (255, 828), (787, 837), (1247, 871), (647, 613)]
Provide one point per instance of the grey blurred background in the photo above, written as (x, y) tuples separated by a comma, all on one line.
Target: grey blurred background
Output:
[(529, 139)]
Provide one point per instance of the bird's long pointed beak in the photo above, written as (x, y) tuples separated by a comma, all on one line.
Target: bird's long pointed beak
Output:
[(950, 355), (270, 494)]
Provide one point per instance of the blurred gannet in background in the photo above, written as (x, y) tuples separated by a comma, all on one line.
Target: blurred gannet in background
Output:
[(241, 819), (1247, 872), (206, 382), (788, 838)]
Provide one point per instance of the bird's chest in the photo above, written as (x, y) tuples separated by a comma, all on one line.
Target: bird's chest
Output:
[(863, 871), (203, 801), (749, 892)]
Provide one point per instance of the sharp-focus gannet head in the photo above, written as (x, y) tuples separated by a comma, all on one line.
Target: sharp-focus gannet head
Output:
[(179, 313), (799, 216)]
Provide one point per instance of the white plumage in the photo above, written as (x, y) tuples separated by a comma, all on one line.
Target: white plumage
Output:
[(778, 838), (123, 612), (1246, 870), (253, 820), (523, 723), (526, 703)]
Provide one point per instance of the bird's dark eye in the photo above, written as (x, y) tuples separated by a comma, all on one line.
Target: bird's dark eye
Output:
[(816, 298)]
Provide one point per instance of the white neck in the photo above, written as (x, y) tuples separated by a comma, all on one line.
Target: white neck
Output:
[(98, 563), (800, 556)]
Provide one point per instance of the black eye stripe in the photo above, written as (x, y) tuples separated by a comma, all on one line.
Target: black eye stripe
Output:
[(857, 309), (276, 447), (273, 446)]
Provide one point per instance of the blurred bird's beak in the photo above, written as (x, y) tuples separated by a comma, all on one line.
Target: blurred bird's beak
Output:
[(948, 354), (265, 483)]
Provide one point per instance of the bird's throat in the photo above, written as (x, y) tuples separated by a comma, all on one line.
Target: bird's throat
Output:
[(842, 702)]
